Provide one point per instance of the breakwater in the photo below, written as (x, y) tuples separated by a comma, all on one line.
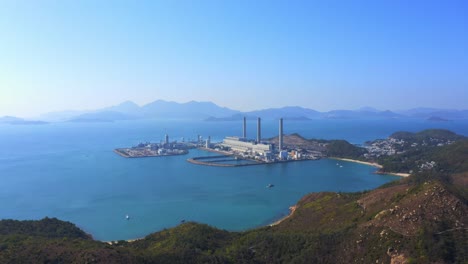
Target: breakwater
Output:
[(223, 161), (234, 161)]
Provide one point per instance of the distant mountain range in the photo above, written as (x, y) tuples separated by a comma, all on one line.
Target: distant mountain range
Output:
[(129, 110), (211, 112), (300, 113), (19, 121), (436, 113)]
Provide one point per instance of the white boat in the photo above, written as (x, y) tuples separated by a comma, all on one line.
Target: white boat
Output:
[(270, 185), (127, 217)]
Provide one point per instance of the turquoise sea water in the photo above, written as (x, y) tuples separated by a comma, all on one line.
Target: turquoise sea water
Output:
[(68, 171)]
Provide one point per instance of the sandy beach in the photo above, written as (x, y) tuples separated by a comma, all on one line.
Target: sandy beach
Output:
[(398, 174), (292, 209), (374, 165)]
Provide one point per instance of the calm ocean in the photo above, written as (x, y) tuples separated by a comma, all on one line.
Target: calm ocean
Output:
[(68, 171)]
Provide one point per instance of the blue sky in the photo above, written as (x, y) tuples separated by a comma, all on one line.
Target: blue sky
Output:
[(246, 55)]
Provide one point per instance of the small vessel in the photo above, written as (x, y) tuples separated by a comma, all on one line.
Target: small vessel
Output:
[(341, 166), (127, 217), (270, 185)]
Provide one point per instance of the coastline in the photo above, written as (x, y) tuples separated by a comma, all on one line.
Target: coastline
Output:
[(399, 174), (373, 164), (292, 209)]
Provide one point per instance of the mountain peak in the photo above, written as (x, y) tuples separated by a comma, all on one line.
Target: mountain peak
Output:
[(367, 109), (124, 107), (128, 103)]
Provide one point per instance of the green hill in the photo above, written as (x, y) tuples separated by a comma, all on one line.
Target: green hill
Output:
[(344, 149), (437, 134)]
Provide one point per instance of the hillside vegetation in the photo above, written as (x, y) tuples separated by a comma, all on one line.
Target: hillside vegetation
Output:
[(344, 149), (427, 135)]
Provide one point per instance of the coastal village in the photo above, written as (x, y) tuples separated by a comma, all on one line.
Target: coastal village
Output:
[(395, 145), (403, 142)]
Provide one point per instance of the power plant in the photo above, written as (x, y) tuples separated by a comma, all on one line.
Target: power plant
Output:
[(244, 145), (235, 151)]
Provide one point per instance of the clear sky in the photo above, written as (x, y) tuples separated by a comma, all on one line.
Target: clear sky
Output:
[(246, 55)]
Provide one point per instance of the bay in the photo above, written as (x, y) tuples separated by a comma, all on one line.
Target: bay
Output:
[(68, 171)]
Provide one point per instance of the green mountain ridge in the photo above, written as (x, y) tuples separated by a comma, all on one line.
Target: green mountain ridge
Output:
[(427, 134)]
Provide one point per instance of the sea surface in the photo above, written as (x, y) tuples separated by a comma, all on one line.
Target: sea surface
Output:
[(69, 171)]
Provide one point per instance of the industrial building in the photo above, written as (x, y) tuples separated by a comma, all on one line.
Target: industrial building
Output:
[(244, 145), (256, 147)]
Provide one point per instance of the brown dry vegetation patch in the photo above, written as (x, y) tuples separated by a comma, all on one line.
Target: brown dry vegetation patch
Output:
[(460, 179), (427, 203), (381, 197)]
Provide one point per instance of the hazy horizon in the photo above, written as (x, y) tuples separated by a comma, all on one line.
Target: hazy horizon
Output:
[(365, 107), (321, 55)]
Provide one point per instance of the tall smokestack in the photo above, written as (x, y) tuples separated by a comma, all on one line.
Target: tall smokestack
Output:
[(280, 140), (244, 129), (259, 130)]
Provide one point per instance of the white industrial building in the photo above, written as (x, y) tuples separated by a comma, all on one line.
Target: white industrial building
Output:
[(243, 145)]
